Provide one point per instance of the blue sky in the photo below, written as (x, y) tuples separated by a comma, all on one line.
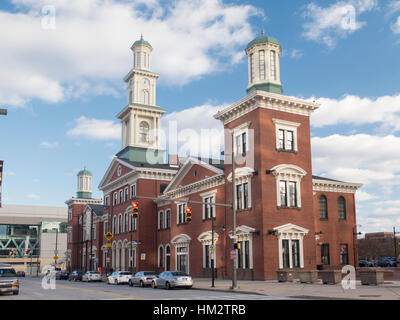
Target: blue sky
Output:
[(61, 81)]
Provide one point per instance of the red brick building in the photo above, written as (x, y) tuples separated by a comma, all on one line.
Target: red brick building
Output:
[(285, 216)]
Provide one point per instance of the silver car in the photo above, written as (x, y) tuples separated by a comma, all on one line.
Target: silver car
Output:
[(91, 276), (142, 278), (172, 279), (8, 279), (119, 277)]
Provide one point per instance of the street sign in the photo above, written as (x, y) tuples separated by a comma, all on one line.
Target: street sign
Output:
[(108, 244), (212, 248), (108, 236), (233, 254), (55, 258), (143, 256), (107, 260), (55, 252)]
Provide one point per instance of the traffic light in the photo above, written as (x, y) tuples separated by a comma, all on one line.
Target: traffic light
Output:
[(188, 217), (236, 245), (11, 252), (27, 251), (135, 209)]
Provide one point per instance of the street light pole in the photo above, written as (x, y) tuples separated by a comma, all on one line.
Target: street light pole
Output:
[(234, 275), (213, 252)]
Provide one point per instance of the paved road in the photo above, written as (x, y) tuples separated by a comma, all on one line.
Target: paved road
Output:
[(31, 289)]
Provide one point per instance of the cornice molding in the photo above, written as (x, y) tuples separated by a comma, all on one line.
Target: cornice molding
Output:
[(197, 186), (335, 186), (266, 100)]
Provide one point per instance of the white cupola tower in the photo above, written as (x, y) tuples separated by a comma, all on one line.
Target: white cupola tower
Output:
[(263, 64), (84, 184), (141, 118)]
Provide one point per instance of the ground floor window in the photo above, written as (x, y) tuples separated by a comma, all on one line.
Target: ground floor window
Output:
[(325, 254), (344, 255), (182, 259), (167, 257), (244, 254)]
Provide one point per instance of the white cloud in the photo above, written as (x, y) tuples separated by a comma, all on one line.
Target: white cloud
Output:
[(33, 196), (95, 129), (328, 25), (197, 133), (396, 26), (89, 48), (364, 196), (358, 111), (363, 158), (49, 145)]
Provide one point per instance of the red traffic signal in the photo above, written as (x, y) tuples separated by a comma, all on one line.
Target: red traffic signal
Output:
[(135, 209), (188, 217)]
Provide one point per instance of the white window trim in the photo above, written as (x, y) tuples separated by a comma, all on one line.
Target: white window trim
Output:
[(158, 256), (288, 172), (290, 232), (183, 212), (165, 256), (130, 190), (245, 233), (286, 126), (205, 195), (242, 181), (158, 220), (238, 131), (126, 194), (165, 218), (206, 240)]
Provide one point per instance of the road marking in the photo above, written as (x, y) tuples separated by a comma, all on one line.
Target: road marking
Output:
[(96, 291)]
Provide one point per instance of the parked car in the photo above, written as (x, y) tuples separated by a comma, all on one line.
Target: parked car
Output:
[(20, 273), (62, 275), (385, 262), (119, 277), (8, 279), (91, 276), (76, 275), (142, 278), (172, 279)]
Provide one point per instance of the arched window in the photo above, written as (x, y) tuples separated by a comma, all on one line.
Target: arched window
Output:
[(120, 224), (323, 207), (160, 257), (114, 227), (130, 97), (167, 257), (252, 66), (342, 208), (262, 64), (144, 129), (145, 97), (273, 65), (126, 222)]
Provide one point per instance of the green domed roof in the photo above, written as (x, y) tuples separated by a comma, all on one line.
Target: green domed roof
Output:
[(84, 172), (142, 41), (262, 39)]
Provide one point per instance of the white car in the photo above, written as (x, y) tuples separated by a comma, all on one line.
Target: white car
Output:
[(91, 276), (119, 277)]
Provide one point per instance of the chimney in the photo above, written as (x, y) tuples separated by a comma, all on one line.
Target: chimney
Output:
[(173, 160)]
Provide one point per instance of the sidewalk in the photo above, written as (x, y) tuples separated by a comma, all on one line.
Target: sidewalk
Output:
[(390, 290)]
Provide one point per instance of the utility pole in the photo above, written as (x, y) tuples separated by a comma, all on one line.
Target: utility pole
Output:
[(234, 275), (395, 242)]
